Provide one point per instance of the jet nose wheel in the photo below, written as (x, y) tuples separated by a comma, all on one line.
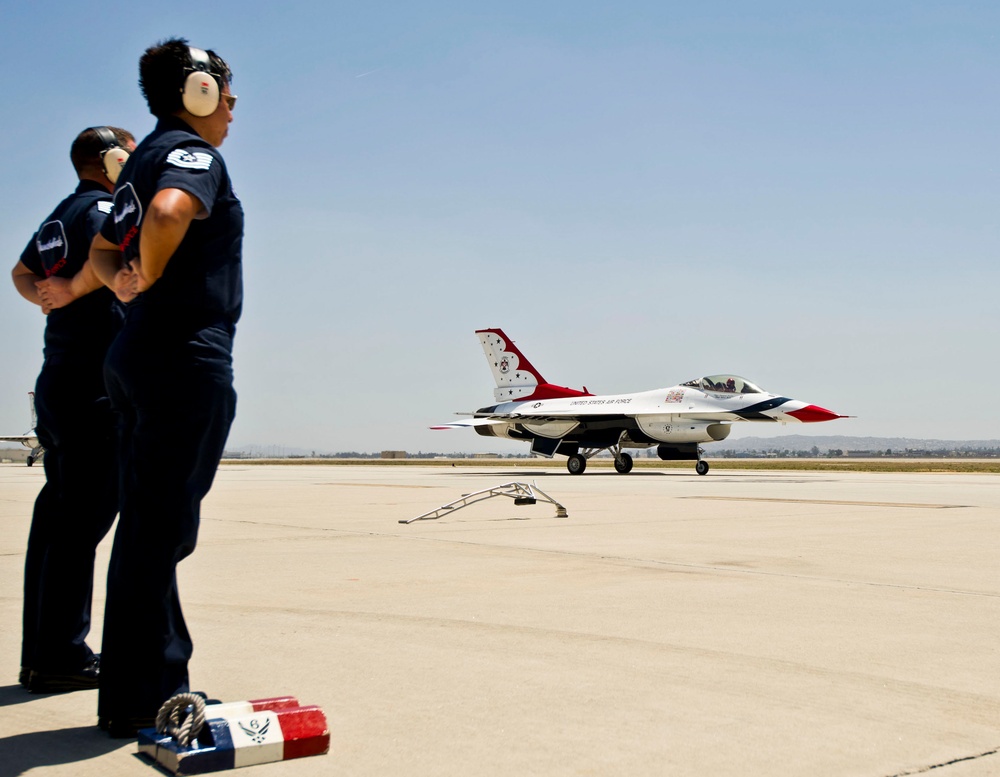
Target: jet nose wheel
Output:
[(623, 464), (701, 467), (576, 464)]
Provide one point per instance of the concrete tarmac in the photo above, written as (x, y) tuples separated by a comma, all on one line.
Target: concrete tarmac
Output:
[(743, 623)]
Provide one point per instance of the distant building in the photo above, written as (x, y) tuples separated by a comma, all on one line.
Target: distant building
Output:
[(14, 455), (393, 455)]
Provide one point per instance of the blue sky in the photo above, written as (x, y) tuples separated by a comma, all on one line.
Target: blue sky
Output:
[(638, 193)]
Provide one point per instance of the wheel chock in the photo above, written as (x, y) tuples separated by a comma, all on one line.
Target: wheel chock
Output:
[(241, 733)]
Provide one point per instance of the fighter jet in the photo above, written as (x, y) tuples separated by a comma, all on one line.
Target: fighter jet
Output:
[(579, 425), (29, 439)]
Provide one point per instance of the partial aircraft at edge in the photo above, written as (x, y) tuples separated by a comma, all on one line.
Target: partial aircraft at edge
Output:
[(29, 439), (578, 424)]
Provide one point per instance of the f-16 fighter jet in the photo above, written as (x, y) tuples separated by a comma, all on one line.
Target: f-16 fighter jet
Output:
[(579, 425)]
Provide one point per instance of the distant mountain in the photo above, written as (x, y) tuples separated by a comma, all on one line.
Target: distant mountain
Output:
[(799, 442)]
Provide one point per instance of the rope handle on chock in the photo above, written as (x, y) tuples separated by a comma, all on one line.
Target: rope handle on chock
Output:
[(184, 729)]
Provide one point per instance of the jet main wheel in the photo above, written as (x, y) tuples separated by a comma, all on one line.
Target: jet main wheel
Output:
[(623, 463), (701, 467), (576, 464)]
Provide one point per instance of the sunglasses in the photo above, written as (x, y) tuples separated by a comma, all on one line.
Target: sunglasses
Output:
[(230, 100)]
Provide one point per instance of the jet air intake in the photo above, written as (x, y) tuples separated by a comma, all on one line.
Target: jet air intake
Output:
[(718, 431)]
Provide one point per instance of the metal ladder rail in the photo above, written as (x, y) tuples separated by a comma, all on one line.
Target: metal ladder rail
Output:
[(521, 493)]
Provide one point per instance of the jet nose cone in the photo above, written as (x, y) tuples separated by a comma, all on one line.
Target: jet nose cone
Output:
[(811, 414)]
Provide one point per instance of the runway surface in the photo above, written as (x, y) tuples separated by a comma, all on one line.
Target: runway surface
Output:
[(742, 623)]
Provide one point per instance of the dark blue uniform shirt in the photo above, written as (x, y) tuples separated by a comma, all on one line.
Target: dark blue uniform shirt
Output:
[(203, 281), (59, 248)]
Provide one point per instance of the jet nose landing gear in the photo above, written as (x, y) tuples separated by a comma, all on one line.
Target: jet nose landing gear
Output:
[(623, 464)]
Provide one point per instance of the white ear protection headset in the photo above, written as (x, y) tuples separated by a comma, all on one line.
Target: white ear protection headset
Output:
[(113, 157), (200, 92)]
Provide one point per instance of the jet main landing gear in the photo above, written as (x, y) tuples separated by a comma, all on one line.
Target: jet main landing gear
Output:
[(577, 462), (623, 464)]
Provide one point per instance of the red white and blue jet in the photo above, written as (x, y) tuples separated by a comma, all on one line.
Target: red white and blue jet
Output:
[(578, 424)]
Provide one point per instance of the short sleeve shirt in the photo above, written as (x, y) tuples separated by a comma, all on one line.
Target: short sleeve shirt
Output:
[(60, 248), (203, 282)]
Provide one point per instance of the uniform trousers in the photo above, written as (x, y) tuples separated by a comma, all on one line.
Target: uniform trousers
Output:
[(73, 512), (172, 387)]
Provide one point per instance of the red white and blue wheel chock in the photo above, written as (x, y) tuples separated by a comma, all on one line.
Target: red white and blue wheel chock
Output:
[(219, 736)]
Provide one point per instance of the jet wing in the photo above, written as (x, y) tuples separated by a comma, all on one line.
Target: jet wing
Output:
[(509, 418), (21, 438), (468, 423), (567, 414)]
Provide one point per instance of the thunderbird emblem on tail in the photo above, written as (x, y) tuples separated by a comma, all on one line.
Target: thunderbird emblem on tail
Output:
[(578, 424)]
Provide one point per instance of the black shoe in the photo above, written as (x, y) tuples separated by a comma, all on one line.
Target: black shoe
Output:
[(128, 728), (23, 676), (83, 679)]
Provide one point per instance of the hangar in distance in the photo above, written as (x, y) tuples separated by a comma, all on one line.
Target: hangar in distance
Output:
[(579, 425)]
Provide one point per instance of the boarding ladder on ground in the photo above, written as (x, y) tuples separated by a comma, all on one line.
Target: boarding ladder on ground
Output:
[(521, 493)]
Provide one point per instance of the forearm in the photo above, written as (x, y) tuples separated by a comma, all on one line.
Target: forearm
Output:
[(24, 282), (166, 223), (158, 242), (105, 261), (108, 266), (85, 281)]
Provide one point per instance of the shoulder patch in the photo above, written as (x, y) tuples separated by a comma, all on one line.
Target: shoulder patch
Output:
[(104, 206), (190, 160)]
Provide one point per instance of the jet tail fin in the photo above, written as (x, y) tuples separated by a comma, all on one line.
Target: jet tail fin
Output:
[(516, 378), (31, 404)]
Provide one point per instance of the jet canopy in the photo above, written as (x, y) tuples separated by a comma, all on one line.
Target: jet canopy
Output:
[(725, 384)]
